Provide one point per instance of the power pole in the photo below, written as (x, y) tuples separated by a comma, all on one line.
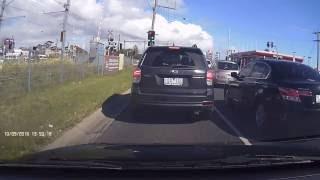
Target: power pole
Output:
[(64, 28), (119, 38), (318, 47), (229, 32), (3, 6), (63, 35)]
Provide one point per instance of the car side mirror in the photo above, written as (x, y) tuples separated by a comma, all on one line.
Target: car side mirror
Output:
[(234, 75)]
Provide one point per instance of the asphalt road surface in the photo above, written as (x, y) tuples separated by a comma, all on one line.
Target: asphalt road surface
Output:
[(115, 123)]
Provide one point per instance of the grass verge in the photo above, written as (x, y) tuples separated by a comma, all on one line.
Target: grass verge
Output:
[(53, 110)]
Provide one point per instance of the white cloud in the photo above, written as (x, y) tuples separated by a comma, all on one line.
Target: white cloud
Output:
[(131, 18)]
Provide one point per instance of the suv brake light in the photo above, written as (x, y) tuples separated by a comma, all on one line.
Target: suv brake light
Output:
[(210, 77), (293, 94), (305, 93), (136, 75)]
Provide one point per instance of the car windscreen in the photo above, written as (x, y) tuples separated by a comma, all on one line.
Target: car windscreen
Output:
[(227, 66), (295, 71), (166, 57)]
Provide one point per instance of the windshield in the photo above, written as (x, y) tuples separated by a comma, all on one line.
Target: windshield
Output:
[(95, 76), (227, 66)]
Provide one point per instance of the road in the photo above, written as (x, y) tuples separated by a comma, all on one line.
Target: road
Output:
[(115, 123)]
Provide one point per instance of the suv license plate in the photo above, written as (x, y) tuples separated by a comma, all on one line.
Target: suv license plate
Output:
[(173, 81), (318, 99)]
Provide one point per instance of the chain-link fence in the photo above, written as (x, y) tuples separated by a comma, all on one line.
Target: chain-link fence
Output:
[(19, 78), (22, 76)]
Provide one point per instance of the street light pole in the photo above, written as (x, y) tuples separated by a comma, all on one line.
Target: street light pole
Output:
[(318, 47)]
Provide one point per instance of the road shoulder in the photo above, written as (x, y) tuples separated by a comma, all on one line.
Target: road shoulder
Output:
[(87, 131)]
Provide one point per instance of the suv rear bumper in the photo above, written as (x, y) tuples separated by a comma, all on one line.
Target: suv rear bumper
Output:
[(168, 100), (300, 108), (294, 110)]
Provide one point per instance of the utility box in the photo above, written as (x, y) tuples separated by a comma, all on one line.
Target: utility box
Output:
[(121, 61)]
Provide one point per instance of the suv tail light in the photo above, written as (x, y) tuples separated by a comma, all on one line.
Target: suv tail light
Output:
[(136, 75), (293, 94), (210, 77)]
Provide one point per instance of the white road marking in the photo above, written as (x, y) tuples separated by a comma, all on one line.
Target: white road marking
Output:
[(243, 139)]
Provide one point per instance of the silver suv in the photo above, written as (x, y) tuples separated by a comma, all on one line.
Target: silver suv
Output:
[(223, 70)]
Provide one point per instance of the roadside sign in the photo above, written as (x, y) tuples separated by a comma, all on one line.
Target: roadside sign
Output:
[(112, 63)]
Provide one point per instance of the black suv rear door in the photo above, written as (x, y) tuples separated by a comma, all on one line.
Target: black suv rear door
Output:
[(255, 83), (237, 88), (173, 70)]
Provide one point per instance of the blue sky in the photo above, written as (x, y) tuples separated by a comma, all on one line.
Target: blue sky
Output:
[(289, 23)]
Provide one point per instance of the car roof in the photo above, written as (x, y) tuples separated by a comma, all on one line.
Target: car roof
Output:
[(274, 62), (166, 47)]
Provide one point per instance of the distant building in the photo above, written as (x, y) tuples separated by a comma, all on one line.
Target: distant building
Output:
[(17, 54), (78, 54), (48, 44), (243, 58), (7, 46)]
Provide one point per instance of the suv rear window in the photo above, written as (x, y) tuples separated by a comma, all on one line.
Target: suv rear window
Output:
[(295, 71), (227, 66), (166, 57)]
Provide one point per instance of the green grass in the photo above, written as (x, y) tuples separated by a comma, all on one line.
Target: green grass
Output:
[(14, 77), (62, 106)]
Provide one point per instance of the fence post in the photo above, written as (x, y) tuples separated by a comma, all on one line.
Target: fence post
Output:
[(103, 65), (61, 72), (29, 72), (98, 61)]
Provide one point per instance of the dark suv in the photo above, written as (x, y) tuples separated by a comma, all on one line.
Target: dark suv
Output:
[(275, 90), (173, 77)]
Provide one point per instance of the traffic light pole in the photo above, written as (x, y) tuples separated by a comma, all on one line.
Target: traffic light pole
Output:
[(154, 13)]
